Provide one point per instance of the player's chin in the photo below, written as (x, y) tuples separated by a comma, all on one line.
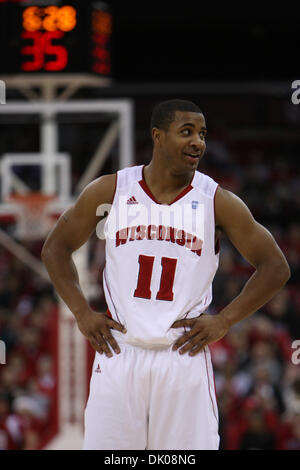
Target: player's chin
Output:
[(191, 162)]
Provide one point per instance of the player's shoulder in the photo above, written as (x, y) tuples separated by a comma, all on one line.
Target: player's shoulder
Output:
[(206, 184), (227, 199), (100, 190), (129, 175), (104, 188), (229, 207)]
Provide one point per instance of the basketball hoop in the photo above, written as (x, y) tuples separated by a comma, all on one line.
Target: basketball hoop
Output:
[(33, 220)]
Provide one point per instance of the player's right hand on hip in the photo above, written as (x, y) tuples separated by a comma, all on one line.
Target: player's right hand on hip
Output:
[(96, 327)]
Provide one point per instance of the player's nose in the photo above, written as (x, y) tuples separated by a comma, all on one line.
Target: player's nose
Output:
[(197, 142)]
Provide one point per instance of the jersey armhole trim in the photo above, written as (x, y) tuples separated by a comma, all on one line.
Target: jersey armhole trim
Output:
[(217, 243), (115, 190)]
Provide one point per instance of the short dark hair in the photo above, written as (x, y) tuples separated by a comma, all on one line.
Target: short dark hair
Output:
[(163, 113)]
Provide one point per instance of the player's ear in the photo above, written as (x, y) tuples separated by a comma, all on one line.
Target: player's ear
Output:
[(156, 135)]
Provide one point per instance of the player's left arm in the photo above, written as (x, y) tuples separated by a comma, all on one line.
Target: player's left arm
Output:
[(256, 244)]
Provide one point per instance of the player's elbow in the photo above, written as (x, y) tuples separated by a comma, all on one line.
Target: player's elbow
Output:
[(46, 252), (274, 269), (280, 270), (286, 271), (52, 250)]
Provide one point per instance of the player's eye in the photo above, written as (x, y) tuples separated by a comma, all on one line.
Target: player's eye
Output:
[(186, 131)]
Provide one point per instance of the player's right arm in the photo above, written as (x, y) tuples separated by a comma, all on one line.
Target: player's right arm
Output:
[(71, 231)]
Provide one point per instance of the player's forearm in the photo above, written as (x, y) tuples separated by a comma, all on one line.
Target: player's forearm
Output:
[(64, 276), (265, 282)]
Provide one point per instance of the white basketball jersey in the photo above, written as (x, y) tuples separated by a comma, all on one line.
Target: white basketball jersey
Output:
[(160, 258)]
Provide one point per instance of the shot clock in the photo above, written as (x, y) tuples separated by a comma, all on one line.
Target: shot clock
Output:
[(56, 37)]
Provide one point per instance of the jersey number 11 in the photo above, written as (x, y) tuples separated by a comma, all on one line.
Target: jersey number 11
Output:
[(166, 280)]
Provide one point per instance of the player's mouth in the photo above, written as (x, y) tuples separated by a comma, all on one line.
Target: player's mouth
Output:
[(192, 157)]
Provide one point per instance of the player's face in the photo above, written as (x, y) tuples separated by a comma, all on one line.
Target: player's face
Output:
[(183, 144)]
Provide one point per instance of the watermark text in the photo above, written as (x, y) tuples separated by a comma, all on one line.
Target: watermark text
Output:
[(296, 354), (131, 220), (296, 93), (2, 92), (2, 352)]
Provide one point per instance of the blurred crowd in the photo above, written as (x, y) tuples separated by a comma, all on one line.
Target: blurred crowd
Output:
[(28, 326), (257, 374)]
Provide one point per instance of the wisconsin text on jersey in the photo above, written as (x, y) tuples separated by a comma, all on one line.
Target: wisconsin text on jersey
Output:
[(160, 232), (132, 219)]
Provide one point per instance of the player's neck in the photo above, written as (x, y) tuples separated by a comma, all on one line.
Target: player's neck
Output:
[(162, 180)]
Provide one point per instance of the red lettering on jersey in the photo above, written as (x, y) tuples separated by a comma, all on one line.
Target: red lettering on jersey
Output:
[(167, 279), (151, 232), (121, 236), (140, 232), (188, 241), (132, 234), (197, 246), (144, 278), (171, 234), (180, 239), (161, 232)]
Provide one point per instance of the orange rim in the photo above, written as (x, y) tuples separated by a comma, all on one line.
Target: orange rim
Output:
[(31, 200)]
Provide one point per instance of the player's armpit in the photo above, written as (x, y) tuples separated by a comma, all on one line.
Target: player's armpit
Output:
[(254, 242), (76, 224)]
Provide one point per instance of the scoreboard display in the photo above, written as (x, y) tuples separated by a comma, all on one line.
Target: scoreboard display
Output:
[(56, 37)]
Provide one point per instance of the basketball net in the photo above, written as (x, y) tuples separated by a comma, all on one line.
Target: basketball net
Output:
[(33, 221)]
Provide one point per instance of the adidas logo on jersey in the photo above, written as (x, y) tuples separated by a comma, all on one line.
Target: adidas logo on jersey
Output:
[(98, 369), (132, 200)]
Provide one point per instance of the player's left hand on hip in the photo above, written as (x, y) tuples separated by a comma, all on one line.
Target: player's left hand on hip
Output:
[(203, 330)]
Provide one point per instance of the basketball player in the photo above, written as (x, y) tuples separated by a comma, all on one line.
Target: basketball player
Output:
[(152, 383)]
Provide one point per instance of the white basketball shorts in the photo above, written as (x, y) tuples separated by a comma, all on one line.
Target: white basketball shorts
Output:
[(151, 399)]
